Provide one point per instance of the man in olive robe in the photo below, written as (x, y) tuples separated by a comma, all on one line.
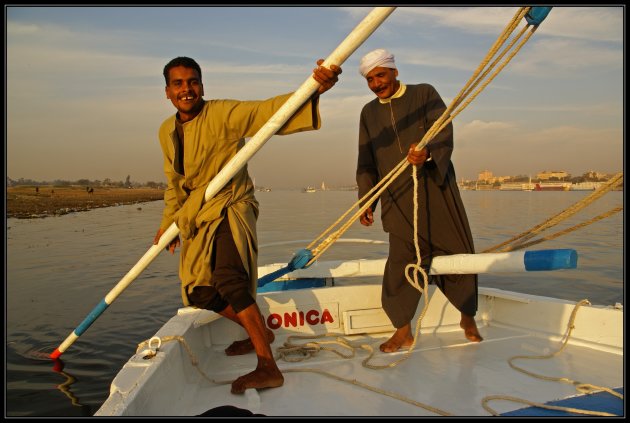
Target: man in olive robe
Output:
[(391, 125), (218, 260)]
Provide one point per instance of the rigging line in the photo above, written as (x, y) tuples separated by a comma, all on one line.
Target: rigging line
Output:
[(552, 221), (500, 41), (417, 268), (431, 133), (484, 85), (375, 188), (563, 232), (471, 82), (324, 245), (504, 35)]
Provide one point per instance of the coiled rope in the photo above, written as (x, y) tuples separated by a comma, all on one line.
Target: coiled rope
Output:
[(289, 350), (585, 388)]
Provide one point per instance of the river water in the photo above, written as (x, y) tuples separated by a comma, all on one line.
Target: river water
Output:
[(59, 268)]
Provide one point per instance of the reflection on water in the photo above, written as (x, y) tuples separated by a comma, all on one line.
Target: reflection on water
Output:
[(58, 366), (59, 268)]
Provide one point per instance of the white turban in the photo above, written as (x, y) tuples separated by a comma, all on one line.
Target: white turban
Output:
[(374, 59)]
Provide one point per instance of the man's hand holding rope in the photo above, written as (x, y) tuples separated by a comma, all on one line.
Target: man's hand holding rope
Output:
[(417, 157)]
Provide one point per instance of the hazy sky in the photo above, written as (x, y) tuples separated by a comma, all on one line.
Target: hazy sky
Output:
[(85, 92)]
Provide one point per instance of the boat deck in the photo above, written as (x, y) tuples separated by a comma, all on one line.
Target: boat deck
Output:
[(444, 375)]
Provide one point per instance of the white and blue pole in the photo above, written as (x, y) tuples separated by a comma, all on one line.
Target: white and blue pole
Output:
[(457, 264), (348, 46)]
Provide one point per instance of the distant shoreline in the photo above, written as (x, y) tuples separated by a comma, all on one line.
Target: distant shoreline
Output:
[(30, 202)]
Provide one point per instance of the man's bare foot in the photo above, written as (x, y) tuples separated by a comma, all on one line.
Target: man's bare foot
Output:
[(260, 378), (245, 346), (470, 328), (400, 339)]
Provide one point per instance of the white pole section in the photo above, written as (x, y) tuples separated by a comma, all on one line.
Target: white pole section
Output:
[(288, 109), (457, 264)]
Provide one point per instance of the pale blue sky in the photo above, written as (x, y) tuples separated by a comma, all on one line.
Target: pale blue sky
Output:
[(85, 92)]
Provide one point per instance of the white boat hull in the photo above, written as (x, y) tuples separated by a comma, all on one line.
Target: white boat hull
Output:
[(444, 372)]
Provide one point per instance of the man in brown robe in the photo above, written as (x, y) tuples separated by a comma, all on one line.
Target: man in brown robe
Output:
[(218, 260), (390, 127)]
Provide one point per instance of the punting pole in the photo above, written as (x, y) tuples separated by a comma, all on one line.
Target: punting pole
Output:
[(360, 33)]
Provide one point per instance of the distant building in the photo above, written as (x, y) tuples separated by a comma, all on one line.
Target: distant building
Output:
[(487, 177), (546, 174), (591, 174), (484, 175)]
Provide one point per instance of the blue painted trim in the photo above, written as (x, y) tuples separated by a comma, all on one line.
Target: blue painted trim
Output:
[(293, 284), (299, 260), (550, 259), (599, 401), (97, 311), (270, 277), (537, 14)]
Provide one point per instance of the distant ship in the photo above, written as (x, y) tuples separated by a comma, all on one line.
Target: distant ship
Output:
[(309, 189), (517, 186), (585, 186), (552, 186), (260, 189)]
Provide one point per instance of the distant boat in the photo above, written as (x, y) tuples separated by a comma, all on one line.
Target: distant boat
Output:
[(516, 186), (552, 186), (529, 186), (323, 186), (512, 186), (309, 189), (585, 186)]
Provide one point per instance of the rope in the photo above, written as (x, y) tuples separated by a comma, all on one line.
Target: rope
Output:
[(565, 231), (371, 388), (417, 268), (289, 350), (191, 355), (445, 119), (519, 239), (306, 351), (310, 349), (581, 387), (330, 235)]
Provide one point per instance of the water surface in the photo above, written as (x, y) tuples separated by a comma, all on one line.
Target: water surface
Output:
[(59, 268)]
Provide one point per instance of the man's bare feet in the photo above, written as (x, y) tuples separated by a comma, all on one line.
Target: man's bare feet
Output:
[(262, 377), (470, 328), (400, 339), (245, 346)]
